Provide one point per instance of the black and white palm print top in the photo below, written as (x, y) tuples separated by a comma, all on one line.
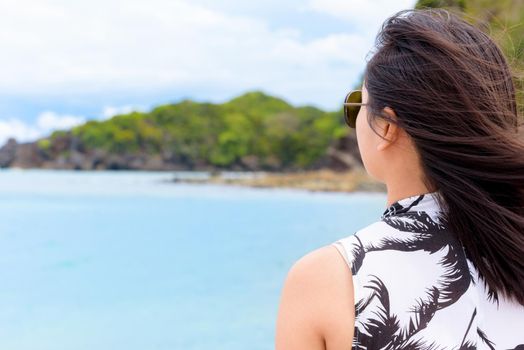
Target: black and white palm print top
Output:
[(415, 288)]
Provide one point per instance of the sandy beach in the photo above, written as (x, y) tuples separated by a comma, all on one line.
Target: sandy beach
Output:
[(317, 180)]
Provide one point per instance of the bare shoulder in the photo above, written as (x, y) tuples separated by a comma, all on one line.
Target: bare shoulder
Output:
[(322, 268), (317, 301)]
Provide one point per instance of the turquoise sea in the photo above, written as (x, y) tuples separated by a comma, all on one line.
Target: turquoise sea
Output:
[(128, 260)]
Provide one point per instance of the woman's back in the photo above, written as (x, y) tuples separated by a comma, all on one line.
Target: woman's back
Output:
[(436, 116), (415, 288)]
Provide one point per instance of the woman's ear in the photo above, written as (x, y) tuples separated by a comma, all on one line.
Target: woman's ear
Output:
[(389, 130)]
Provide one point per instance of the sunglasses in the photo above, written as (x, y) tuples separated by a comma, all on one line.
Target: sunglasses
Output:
[(352, 105)]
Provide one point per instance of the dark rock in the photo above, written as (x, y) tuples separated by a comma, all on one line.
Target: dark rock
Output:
[(8, 152), (251, 162), (344, 154), (27, 155)]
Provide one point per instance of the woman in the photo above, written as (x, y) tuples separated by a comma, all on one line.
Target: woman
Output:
[(443, 268)]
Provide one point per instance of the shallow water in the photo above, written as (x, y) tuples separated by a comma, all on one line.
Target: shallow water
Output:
[(127, 260)]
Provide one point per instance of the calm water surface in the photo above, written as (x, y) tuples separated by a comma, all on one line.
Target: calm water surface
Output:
[(126, 260)]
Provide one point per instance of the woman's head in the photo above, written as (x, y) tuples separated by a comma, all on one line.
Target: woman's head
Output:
[(387, 151), (446, 90)]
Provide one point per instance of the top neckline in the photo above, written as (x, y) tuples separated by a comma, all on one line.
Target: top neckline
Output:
[(426, 202)]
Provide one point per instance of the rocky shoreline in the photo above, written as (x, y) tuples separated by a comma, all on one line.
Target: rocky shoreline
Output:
[(67, 152)]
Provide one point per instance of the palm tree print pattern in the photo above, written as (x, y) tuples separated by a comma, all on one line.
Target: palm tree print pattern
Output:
[(415, 288)]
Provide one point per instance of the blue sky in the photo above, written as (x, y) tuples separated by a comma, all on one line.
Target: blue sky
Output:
[(64, 62)]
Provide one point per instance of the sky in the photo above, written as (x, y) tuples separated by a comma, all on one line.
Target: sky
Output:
[(65, 62)]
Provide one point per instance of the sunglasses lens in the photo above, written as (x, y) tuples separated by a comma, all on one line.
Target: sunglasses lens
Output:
[(351, 112)]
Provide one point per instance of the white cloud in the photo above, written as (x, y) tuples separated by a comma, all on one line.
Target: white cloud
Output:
[(86, 46), (46, 122), (367, 15), (346, 49), (19, 130), (53, 46)]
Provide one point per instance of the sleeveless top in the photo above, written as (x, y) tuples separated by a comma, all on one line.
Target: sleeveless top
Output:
[(415, 288)]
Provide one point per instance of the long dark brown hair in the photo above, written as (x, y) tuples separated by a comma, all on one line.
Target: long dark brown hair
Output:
[(454, 94)]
